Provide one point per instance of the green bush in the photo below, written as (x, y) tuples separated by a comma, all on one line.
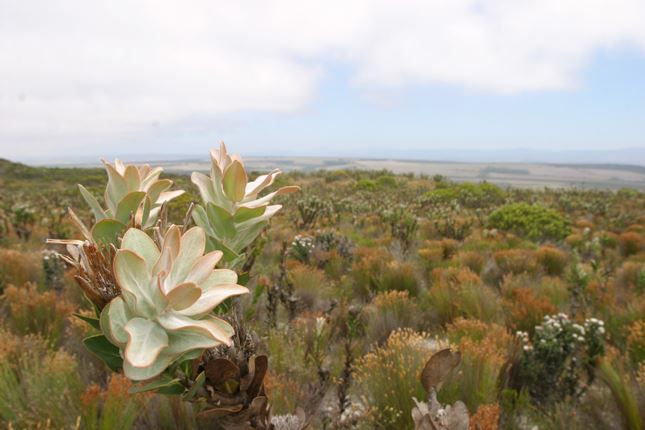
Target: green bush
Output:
[(533, 221), (381, 182), (366, 184), (386, 181), (469, 194)]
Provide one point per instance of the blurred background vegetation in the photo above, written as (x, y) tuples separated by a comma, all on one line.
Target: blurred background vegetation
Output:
[(361, 277)]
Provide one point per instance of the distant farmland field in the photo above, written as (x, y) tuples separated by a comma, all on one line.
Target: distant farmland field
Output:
[(524, 175)]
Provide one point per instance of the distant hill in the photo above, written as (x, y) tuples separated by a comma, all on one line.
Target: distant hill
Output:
[(523, 175), (623, 156)]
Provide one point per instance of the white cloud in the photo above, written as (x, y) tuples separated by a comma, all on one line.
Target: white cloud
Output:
[(76, 70)]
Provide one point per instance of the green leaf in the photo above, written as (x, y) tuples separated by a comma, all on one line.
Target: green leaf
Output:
[(94, 322), (224, 307), (163, 385), (129, 205), (97, 310), (103, 349), (245, 214), (172, 389), (243, 278), (199, 382), (107, 231), (213, 244), (221, 222), (247, 233), (98, 211), (257, 293)]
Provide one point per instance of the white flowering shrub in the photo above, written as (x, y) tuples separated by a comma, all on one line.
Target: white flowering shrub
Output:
[(301, 248), (559, 361)]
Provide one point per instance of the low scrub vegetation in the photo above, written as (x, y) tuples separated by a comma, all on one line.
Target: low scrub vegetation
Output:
[(329, 308)]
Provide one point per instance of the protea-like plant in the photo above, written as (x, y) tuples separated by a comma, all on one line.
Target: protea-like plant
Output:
[(133, 196), (167, 295), (233, 213), (155, 299)]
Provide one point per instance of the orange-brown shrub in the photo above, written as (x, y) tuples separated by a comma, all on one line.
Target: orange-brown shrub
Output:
[(387, 378), (552, 260), (398, 276), (18, 268), (454, 276), (484, 348), (630, 243), (32, 311), (449, 247), (609, 239), (433, 252), (636, 341), (525, 310), (574, 240), (638, 228), (366, 268), (389, 310), (583, 223), (630, 275), (335, 265), (430, 257), (285, 393), (554, 289), (486, 341), (516, 261), (459, 292), (112, 407), (472, 260), (310, 285), (486, 418)]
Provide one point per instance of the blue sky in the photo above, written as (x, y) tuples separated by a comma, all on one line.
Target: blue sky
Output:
[(405, 79), (605, 111)]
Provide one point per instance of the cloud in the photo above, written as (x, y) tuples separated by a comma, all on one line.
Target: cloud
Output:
[(76, 71)]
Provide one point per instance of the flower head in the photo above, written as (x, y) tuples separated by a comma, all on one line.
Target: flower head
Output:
[(167, 295), (132, 190), (232, 213)]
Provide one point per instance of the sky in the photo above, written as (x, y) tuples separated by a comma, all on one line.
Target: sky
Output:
[(399, 79)]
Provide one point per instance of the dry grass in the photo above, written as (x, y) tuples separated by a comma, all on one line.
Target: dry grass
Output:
[(389, 311), (18, 268), (516, 261), (388, 378), (32, 311)]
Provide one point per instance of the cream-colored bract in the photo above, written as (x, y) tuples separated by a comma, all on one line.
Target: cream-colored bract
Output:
[(167, 294)]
